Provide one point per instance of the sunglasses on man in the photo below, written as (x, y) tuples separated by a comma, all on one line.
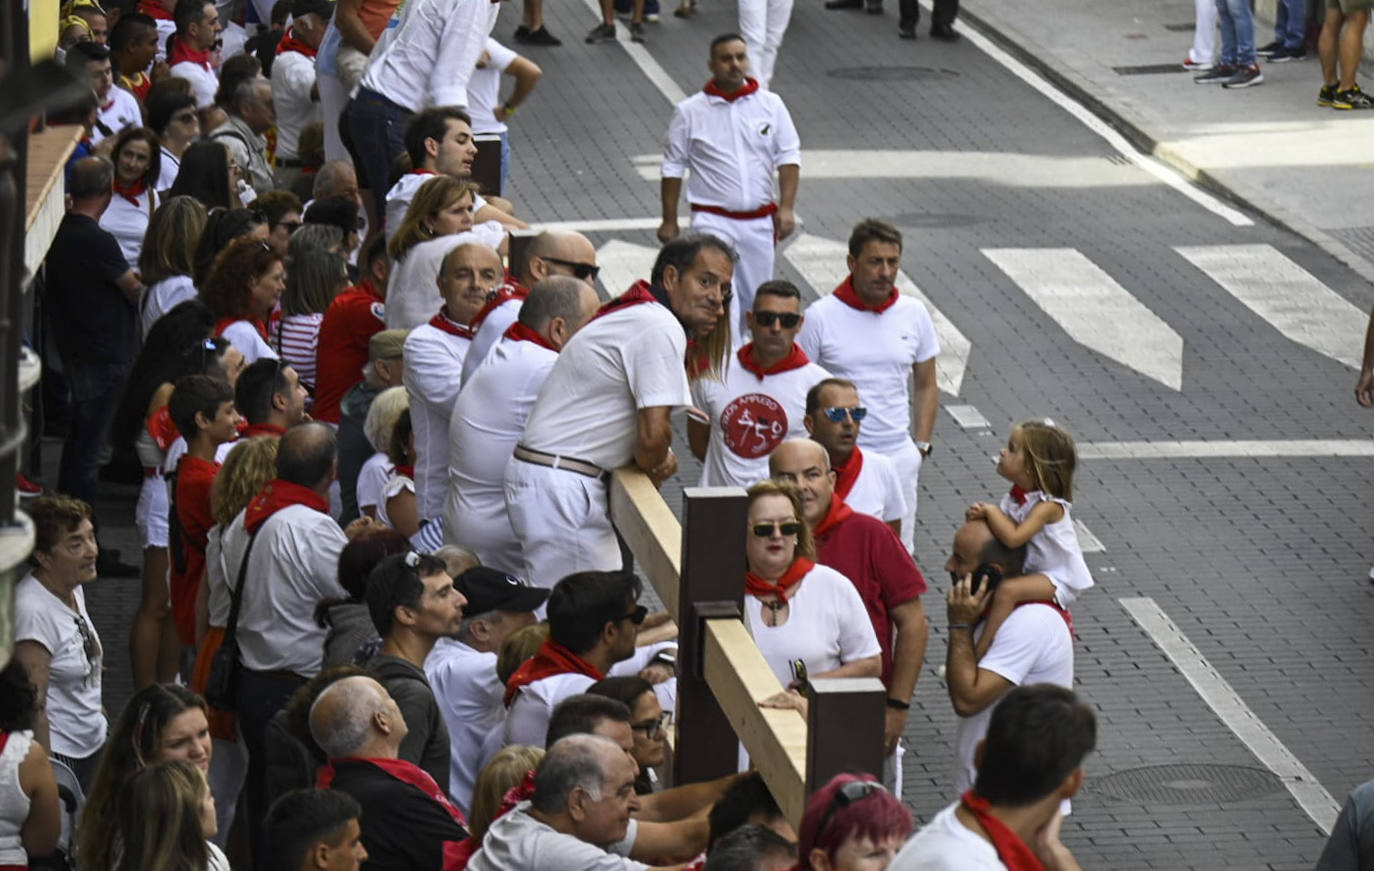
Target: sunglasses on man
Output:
[(787, 319), (584, 271), (835, 414)]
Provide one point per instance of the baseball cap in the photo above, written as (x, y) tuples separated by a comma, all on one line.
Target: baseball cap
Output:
[(387, 344), (488, 589)]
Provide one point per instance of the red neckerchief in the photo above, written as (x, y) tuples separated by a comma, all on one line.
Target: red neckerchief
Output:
[(406, 772), (277, 494), (846, 294), (225, 323), (154, 9), (1018, 495), (442, 323), (846, 475), (408, 471), (253, 430), (289, 42), (162, 429), (838, 513), (552, 658), (795, 360), (130, 192), (521, 333), (638, 294), (1011, 850), (757, 586), (750, 85), (504, 294), (178, 52)]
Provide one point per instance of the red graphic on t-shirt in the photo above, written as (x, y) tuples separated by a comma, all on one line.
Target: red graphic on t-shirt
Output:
[(753, 425)]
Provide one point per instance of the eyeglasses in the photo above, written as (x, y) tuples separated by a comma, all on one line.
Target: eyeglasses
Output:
[(636, 616), (653, 727), (837, 415), (584, 271), (765, 530), (90, 646), (787, 319), (850, 793)]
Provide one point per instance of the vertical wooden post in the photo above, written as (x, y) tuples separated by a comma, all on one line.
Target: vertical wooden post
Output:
[(844, 729), (712, 585)]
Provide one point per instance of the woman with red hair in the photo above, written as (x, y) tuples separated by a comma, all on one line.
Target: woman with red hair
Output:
[(242, 291), (851, 824)]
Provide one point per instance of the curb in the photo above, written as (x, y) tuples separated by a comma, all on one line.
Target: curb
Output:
[(1140, 135)]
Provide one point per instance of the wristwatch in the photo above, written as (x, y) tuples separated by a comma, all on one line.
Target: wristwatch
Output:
[(925, 448)]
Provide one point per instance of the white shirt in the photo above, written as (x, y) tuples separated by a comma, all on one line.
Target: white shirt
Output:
[(75, 719), (412, 293), (616, 365), (293, 76), (294, 566), (219, 576), (1053, 551), (826, 626), (732, 148), (128, 223), (428, 58), (1032, 646), (517, 841), (203, 81), (164, 296), (489, 333), (244, 336), (876, 352), (372, 480), (396, 484), (946, 844), (470, 698), (403, 191), (429, 368), (878, 490), (167, 173), (120, 113), (165, 28), (484, 88), (750, 416)]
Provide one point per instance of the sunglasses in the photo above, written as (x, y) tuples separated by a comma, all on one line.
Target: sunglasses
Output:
[(636, 616), (584, 271), (765, 530), (837, 415), (787, 319), (852, 792), (653, 727)]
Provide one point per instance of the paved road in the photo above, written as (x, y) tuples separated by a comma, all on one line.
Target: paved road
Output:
[(1059, 260)]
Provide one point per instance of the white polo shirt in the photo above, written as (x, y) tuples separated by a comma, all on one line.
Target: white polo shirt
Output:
[(470, 695), (428, 58), (751, 414), (128, 222), (293, 76), (489, 334), (619, 363), (878, 490), (946, 844), (876, 351), (203, 81), (732, 147), (119, 113), (432, 359), (484, 88), (403, 191)]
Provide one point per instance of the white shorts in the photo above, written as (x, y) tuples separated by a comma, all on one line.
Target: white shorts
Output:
[(562, 520), (151, 513)]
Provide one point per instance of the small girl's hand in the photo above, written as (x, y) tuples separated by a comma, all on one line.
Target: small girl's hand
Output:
[(976, 511)]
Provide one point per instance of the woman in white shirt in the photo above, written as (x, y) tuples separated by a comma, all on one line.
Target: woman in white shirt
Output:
[(380, 423), (167, 260), (243, 289), (797, 609), (137, 160), (315, 278), (30, 814), (172, 116), (397, 507), (166, 816)]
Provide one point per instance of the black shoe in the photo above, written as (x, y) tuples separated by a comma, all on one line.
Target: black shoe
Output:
[(1269, 48), (107, 565), (602, 33), (944, 33), (522, 34), (636, 31), (1284, 55), (1326, 97), (906, 32), (543, 37), (844, 4)]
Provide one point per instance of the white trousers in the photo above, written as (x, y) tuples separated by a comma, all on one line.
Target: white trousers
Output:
[(757, 249), (562, 520), (762, 23), (907, 461), (1205, 34), (482, 525)]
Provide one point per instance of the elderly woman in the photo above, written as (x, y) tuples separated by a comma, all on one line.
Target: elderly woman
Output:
[(851, 824), (243, 289), (137, 157)]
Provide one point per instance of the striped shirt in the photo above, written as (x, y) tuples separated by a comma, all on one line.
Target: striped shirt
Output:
[(296, 338)]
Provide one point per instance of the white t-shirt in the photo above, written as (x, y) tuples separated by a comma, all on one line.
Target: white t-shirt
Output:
[(128, 223), (164, 296), (403, 191), (244, 336), (167, 173), (432, 360), (372, 480), (619, 363), (484, 89), (293, 76), (1053, 551), (517, 841), (750, 416), (1032, 646), (119, 114), (878, 490), (396, 484), (876, 352), (470, 698), (826, 626), (412, 292), (945, 844), (75, 720), (204, 82), (489, 332)]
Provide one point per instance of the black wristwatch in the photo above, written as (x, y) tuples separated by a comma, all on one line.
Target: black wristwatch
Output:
[(925, 448), (898, 704)]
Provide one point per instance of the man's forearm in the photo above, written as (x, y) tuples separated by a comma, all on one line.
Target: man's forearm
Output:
[(908, 655), (683, 801), (670, 189), (961, 665), (789, 178), (927, 402)]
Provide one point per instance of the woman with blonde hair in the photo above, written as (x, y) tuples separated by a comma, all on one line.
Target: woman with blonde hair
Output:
[(504, 772), (167, 260), (166, 816), (381, 421), (439, 219)]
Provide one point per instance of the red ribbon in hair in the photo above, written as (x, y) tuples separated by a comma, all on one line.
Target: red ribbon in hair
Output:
[(846, 294), (552, 658), (277, 494), (750, 85), (757, 586), (846, 475), (1011, 850)]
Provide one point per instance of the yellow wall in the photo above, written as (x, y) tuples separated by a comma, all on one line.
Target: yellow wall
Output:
[(42, 28)]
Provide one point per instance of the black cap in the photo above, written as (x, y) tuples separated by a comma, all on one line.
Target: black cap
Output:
[(488, 589), (322, 8)]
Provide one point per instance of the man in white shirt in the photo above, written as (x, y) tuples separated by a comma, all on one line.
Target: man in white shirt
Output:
[(462, 669), (188, 52), (608, 403), (250, 113), (116, 108), (762, 399), (733, 137), (432, 360), (490, 413), (1034, 645), (868, 332), (295, 95), (1030, 763), (489, 112), (867, 482)]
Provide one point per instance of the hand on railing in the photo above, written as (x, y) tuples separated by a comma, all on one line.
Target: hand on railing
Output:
[(664, 470), (789, 698)]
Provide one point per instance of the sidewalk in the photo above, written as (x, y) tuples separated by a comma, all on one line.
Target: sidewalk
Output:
[(1269, 147)]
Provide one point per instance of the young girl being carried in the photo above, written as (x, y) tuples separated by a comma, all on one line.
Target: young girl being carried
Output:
[(1039, 461)]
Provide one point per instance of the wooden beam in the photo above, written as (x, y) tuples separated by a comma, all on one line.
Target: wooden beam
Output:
[(651, 530), (844, 731), (740, 678)]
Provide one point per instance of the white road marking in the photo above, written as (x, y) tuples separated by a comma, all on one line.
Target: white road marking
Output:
[(1087, 542), (1094, 310), (1113, 138), (1210, 450), (821, 262), (622, 264), (968, 417), (1227, 704), (645, 61), (1287, 296)]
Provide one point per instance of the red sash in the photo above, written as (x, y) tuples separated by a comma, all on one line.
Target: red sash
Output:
[(846, 475), (838, 513), (750, 85), (1011, 850), (757, 586), (552, 658), (763, 211), (289, 42), (442, 323), (794, 360), (277, 494), (521, 333), (846, 294)]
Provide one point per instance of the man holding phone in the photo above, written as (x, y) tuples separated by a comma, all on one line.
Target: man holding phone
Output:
[(1034, 645)]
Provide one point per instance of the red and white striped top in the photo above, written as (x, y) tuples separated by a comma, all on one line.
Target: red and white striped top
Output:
[(296, 337)]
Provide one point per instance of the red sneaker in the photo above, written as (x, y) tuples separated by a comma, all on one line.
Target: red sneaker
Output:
[(26, 488)]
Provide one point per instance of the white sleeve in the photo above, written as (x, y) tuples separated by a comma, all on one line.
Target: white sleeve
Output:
[(297, 74), (787, 144), (498, 56), (320, 547), (427, 372), (656, 371), (1019, 642), (245, 337), (809, 339), (927, 345), (857, 638), (463, 34), (527, 722), (675, 145)]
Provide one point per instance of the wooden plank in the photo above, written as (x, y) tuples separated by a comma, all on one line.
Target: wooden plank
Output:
[(651, 530), (740, 678), (845, 728), (47, 160)]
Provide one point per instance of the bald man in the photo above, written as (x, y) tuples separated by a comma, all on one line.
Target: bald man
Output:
[(408, 821), (433, 354), (553, 252)]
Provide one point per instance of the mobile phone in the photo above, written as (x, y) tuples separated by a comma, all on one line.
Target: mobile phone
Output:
[(987, 574), (799, 676)]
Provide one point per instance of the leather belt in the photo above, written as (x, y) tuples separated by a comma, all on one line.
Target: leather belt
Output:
[(553, 461)]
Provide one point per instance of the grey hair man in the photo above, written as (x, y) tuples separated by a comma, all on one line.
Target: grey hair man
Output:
[(250, 114)]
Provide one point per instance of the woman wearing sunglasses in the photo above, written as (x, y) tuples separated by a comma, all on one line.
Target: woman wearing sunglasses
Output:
[(798, 610), (851, 824)]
